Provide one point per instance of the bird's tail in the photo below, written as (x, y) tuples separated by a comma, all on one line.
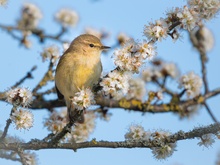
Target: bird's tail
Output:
[(75, 116)]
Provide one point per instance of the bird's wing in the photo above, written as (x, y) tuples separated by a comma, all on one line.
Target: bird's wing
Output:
[(59, 95)]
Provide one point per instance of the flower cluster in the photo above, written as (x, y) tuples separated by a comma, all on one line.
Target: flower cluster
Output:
[(164, 152), (52, 53), (133, 55), (19, 97), (206, 9), (187, 18), (67, 17), (207, 140), (136, 132), (83, 99), (23, 119), (189, 112), (136, 89), (101, 34), (167, 149), (115, 84), (3, 2), (160, 69), (56, 121), (192, 83), (30, 17), (81, 132), (156, 31), (122, 38)]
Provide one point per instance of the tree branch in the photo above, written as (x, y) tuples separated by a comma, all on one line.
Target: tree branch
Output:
[(197, 132), (42, 36)]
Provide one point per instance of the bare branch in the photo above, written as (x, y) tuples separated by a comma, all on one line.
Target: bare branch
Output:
[(47, 77), (28, 75), (8, 123), (42, 36), (210, 112)]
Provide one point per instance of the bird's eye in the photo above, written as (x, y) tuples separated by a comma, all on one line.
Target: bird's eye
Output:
[(91, 45)]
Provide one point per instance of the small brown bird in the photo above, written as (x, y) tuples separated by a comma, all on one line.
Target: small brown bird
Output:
[(80, 66)]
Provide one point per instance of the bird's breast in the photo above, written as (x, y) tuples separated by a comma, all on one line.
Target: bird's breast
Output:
[(85, 74)]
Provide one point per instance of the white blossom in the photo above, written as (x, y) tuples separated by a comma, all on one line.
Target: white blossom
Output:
[(151, 73), (56, 121), (83, 99), (164, 151), (52, 53), (23, 119), (157, 30), (159, 135), (146, 50), (3, 2), (170, 69), (122, 38), (98, 33), (30, 17), (192, 83), (136, 89), (207, 140), (81, 132), (136, 132), (19, 97), (188, 18), (207, 9), (67, 17), (115, 84), (132, 55)]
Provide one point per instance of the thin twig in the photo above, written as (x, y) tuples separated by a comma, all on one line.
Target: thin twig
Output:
[(7, 126), (203, 60), (37, 32), (28, 75), (47, 77), (162, 86), (210, 112), (61, 134)]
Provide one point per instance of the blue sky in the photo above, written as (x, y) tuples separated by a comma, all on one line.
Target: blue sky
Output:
[(114, 16)]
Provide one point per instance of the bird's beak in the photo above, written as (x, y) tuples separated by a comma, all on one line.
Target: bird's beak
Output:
[(105, 47)]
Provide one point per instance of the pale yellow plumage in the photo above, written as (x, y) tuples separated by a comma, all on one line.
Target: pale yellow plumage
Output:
[(80, 66)]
